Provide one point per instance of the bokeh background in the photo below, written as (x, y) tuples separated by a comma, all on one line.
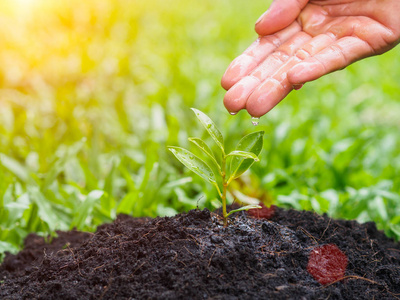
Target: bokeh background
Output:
[(92, 92)]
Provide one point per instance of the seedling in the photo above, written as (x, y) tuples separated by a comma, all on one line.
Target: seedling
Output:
[(230, 166)]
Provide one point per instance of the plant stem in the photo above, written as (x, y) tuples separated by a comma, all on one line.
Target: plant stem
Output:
[(224, 188), (218, 190)]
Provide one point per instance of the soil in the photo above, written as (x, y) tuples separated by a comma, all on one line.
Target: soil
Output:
[(290, 255)]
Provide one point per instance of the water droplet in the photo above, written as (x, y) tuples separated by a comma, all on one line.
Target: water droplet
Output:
[(233, 113), (255, 121), (297, 86)]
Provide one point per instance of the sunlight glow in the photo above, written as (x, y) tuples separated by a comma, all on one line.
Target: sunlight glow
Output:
[(20, 8), (25, 2)]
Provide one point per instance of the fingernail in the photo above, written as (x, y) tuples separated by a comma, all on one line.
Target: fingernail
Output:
[(262, 17)]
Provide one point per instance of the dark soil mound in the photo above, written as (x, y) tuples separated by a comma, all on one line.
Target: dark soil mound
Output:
[(191, 256)]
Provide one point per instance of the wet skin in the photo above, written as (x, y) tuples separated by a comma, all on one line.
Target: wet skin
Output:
[(300, 41)]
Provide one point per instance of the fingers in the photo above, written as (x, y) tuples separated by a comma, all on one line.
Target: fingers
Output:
[(258, 82), (271, 91), (281, 14), (382, 13), (255, 54), (235, 99), (316, 20), (334, 57), (322, 55), (276, 87), (266, 97)]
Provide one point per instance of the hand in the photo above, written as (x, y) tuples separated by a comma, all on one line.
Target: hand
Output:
[(302, 40)]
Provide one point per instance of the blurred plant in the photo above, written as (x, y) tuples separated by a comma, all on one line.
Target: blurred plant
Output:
[(241, 159)]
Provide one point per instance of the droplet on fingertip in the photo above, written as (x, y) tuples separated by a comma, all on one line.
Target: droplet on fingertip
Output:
[(255, 121), (233, 113), (297, 86)]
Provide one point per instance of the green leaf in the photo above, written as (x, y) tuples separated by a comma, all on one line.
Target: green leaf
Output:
[(16, 209), (45, 209), (210, 126), (5, 246), (395, 229), (164, 211), (108, 202), (245, 199), (253, 143), (84, 210), (244, 154), (204, 147), (193, 163), (14, 167), (128, 202), (62, 159), (395, 220), (247, 207)]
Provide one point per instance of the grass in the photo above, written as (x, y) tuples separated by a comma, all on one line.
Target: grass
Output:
[(92, 92)]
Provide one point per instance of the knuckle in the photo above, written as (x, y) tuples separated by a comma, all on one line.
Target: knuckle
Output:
[(302, 54), (281, 55), (338, 52)]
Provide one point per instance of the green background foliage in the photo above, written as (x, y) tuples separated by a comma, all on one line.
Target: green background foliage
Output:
[(91, 92)]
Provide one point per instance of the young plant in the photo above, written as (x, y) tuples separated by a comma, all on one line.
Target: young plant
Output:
[(230, 166)]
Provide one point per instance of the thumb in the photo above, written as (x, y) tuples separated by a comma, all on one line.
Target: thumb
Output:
[(280, 14)]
